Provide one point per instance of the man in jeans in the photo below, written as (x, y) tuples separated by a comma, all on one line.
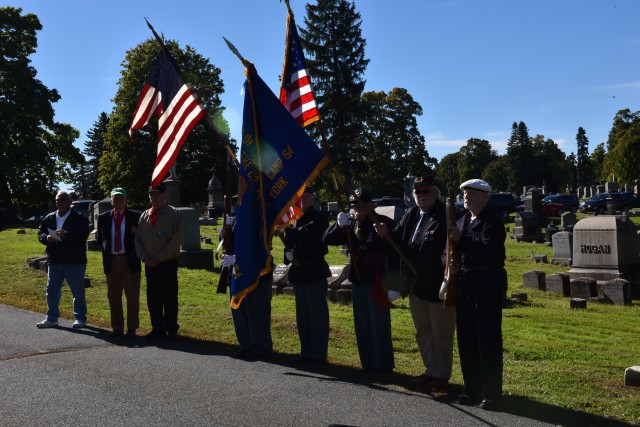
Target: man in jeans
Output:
[(64, 233)]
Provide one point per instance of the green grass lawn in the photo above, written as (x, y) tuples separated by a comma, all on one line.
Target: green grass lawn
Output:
[(562, 366)]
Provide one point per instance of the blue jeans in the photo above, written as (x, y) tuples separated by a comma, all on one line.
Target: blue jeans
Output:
[(74, 273), (373, 329)]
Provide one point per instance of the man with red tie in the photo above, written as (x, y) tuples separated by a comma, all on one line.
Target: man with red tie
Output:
[(116, 235)]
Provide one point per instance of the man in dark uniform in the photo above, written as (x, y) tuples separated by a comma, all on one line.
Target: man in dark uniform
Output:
[(308, 274), (252, 320), (116, 236), (422, 235), (482, 282), (371, 314)]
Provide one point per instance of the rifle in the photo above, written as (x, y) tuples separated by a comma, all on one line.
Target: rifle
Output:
[(449, 285)]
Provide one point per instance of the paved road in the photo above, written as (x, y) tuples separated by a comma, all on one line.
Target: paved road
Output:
[(63, 377)]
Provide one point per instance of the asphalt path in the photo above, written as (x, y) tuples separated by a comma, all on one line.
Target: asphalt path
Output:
[(64, 377)]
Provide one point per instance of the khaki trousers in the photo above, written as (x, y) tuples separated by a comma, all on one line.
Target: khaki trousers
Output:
[(119, 279), (435, 327)]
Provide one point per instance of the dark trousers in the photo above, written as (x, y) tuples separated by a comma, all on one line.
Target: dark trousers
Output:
[(479, 327), (312, 319), (252, 320), (162, 296)]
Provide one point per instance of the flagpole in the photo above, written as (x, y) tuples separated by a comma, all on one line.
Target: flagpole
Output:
[(220, 135)]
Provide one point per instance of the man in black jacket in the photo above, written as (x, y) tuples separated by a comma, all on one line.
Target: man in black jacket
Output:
[(64, 233), (308, 274), (116, 236), (422, 234)]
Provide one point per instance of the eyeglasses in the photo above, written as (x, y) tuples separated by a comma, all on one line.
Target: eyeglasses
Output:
[(62, 200), (425, 191)]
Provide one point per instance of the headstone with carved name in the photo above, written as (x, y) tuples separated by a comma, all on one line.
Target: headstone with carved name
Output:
[(534, 279), (280, 275), (339, 274), (562, 243)]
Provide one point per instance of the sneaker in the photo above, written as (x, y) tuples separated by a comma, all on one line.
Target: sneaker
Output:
[(46, 323), (79, 324)]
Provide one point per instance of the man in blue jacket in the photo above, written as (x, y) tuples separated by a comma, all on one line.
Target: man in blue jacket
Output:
[(64, 233)]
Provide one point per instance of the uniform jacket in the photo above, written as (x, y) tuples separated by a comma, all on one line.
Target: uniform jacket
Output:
[(371, 251), (425, 253), (72, 249), (482, 241), (103, 236), (305, 239), (163, 239)]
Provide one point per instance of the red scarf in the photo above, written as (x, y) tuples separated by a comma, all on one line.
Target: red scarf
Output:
[(117, 225)]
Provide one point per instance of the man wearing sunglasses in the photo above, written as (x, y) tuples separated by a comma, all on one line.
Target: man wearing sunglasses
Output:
[(64, 232), (422, 234)]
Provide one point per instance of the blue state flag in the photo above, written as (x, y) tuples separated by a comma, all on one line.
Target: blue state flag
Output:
[(278, 160)]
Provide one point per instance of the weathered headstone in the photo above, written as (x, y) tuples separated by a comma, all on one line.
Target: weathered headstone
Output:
[(576, 303), (559, 284), (606, 248), (562, 243), (518, 296), (534, 279), (632, 376), (215, 190), (617, 291), (280, 275), (583, 287), (611, 187), (527, 227), (567, 219), (393, 212), (344, 296), (339, 274)]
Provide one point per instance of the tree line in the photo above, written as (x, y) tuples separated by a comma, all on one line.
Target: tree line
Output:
[(373, 137)]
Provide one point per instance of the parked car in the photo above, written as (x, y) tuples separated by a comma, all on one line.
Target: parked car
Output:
[(548, 209), (598, 203), (501, 203), (569, 202)]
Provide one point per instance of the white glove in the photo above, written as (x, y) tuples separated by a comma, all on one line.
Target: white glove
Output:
[(289, 255), (228, 220), (444, 287), (228, 261), (393, 295), (343, 219)]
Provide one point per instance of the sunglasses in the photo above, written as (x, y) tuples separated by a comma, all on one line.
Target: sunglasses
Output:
[(62, 200), (418, 192)]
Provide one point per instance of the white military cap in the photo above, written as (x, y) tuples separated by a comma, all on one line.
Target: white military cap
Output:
[(476, 184)]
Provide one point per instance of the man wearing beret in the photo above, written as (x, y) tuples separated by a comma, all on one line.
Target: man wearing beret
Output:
[(116, 237), (371, 315), (482, 283), (158, 241), (422, 234)]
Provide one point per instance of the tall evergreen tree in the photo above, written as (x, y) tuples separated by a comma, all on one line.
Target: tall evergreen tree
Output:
[(520, 156), (86, 183), (131, 164), (598, 159), (551, 165), (36, 152), (335, 48), (584, 170)]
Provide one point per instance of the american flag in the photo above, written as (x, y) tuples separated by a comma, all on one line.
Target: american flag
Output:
[(177, 107), (295, 89)]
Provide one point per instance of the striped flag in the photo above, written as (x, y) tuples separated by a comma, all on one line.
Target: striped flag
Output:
[(177, 107), (295, 89)]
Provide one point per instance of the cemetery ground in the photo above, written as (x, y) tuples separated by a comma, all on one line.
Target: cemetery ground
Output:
[(561, 366)]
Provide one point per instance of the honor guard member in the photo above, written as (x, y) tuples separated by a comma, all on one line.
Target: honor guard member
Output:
[(482, 283), (422, 235), (158, 241), (308, 274), (368, 263), (252, 320), (64, 233), (116, 236)]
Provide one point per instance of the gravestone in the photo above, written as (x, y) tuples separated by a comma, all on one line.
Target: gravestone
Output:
[(567, 219), (343, 296), (550, 231), (534, 279), (606, 248), (562, 243), (280, 275), (559, 284), (611, 187), (332, 207), (617, 291), (215, 207), (393, 212), (632, 376), (577, 303), (339, 274), (527, 227), (628, 188), (599, 189), (583, 288)]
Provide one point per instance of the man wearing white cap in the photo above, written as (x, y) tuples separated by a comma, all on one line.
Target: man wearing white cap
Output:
[(482, 282)]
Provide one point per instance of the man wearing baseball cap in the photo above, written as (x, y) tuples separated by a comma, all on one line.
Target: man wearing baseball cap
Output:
[(116, 236), (482, 283), (158, 241)]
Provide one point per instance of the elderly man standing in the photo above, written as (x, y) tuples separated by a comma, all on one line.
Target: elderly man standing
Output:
[(64, 233), (116, 237), (482, 283), (422, 232), (158, 241)]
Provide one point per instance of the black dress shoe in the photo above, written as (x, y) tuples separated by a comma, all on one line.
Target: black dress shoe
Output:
[(253, 355), (241, 354), (116, 333), (467, 400), (299, 361), (154, 336), (491, 404), (317, 363)]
